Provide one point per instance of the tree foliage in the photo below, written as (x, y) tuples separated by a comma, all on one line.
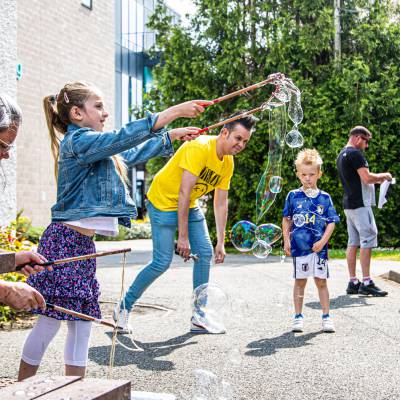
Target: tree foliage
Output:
[(233, 43)]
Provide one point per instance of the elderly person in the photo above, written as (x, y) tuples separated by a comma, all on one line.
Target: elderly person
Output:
[(17, 295)]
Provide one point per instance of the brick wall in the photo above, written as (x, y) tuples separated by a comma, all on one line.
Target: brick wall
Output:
[(58, 42), (8, 62)]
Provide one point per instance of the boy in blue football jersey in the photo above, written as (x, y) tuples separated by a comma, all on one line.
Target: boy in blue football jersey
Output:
[(309, 219)]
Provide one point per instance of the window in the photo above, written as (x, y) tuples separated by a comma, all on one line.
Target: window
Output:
[(88, 4)]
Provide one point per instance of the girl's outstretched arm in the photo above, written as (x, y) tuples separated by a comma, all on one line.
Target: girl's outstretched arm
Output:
[(189, 109)]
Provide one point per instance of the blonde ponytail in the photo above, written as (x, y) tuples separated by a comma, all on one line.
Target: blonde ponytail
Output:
[(120, 167), (56, 128)]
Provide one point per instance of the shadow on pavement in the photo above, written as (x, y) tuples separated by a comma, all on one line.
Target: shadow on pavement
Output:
[(341, 302), (147, 359), (288, 340)]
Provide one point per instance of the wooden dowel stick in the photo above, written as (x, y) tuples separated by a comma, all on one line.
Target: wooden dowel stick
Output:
[(245, 114), (80, 315), (78, 258), (244, 90)]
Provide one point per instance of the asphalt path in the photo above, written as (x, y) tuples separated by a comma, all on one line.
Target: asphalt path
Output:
[(259, 357)]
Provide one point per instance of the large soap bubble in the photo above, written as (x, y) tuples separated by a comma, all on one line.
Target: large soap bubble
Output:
[(294, 138), (295, 112), (269, 233), (261, 249), (284, 103), (282, 94), (275, 184), (209, 303), (270, 184), (243, 235)]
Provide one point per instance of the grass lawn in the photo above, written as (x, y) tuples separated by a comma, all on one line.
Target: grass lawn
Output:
[(377, 254)]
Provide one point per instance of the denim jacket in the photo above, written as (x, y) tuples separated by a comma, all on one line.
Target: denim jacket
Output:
[(88, 184)]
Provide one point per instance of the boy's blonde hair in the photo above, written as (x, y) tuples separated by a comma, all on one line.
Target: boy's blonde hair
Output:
[(309, 157)]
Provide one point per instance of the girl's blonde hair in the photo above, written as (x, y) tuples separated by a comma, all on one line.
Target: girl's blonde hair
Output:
[(309, 157), (57, 110)]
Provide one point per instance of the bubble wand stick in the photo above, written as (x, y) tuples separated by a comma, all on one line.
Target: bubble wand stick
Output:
[(263, 107), (270, 79)]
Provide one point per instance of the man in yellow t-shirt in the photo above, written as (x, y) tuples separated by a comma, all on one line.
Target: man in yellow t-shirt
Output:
[(197, 168)]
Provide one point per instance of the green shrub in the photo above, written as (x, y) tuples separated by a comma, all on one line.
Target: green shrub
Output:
[(35, 233), (138, 230), (14, 237)]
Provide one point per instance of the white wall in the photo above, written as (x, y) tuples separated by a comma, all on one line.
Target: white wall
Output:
[(8, 63)]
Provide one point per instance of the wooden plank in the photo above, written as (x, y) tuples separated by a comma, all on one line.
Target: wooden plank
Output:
[(7, 262), (93, 389), (36, 386)]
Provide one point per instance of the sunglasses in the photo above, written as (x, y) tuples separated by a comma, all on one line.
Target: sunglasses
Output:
[(365, 138), (5, 147)]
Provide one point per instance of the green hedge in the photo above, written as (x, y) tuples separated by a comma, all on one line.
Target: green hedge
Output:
[(231, 44)]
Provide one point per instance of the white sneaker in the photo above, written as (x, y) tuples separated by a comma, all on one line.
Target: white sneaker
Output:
[(297, 324), (206, 325), (121, 318), (327, 325)]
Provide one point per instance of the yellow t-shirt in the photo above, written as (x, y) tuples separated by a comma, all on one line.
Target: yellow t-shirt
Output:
[(199, 157)]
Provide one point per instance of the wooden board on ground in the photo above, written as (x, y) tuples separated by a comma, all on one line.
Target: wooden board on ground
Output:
[(60, 387), (92, 389), (36, 386)]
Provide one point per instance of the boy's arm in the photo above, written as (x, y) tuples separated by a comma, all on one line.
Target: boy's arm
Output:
[(286, 225), (318, 246)]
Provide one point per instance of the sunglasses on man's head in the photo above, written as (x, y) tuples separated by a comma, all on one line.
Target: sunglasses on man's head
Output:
[(365, 138)]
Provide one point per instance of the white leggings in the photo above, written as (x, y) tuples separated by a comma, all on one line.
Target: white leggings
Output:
[(76, 345)]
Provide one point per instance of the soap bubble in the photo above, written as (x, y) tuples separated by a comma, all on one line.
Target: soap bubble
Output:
[(310, 192), (261, 249), (270, 182), (275, 184), (282, 94), (225, 391), (299, 220), (208, 306), (243, 235), (207, 384), (294, 138), (295, 112), (268, 233)]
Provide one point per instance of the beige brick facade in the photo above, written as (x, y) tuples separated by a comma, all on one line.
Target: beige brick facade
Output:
[(59, 41)]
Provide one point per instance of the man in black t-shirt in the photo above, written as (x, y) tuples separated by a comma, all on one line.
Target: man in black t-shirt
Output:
[(358, 199)]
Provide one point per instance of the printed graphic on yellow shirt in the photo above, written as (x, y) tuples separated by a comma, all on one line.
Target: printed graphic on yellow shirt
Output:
[(199, 157), (200, 189), (209, 176)]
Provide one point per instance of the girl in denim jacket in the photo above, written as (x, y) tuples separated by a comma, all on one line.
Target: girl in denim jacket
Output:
[(92, 197)]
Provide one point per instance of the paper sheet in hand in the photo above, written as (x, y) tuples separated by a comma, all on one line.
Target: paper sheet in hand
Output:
[(383, 191)]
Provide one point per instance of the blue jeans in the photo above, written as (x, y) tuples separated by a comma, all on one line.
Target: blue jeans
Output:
[(163, 227)]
